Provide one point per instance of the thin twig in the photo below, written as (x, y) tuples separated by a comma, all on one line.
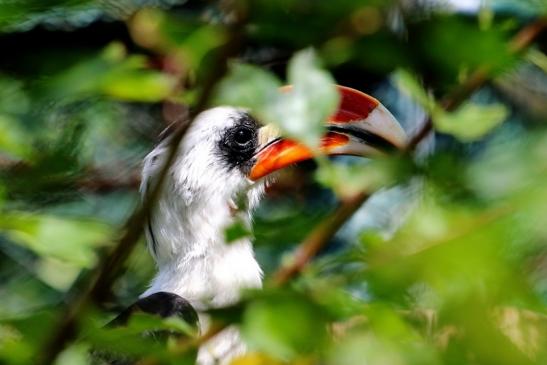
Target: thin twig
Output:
[(101, 278), (323, 233)]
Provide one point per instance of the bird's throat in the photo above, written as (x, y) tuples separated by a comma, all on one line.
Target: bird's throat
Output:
[(194, 261)]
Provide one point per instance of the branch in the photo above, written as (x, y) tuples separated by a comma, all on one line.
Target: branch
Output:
[(323, 233), (318, 238), (100, 280)]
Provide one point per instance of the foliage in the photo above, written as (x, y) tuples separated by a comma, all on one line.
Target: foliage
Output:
[(458, 275)]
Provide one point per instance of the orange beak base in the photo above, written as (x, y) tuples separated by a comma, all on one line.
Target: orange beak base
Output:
[(361, 126)]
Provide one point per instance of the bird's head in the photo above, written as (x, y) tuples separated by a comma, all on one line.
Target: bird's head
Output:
[(226, 152)]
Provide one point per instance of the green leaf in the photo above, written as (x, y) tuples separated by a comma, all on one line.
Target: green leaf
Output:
[(236, 231), (471, 121), (249, 87), (409, 84), (114, 74), (138, 85), (57, 273), (284, 325), (188, 41), (300, 112), (13, 139), (346, 180), (74, 355), (453, 47), (312, 99), (468, 123), (70, 240), (538, 58)]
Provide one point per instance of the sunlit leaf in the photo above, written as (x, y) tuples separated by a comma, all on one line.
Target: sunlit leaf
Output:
[(74, 355), (471, 121), (13, 140), (255, 359), (299, 111), (410, 85), (284, 325), (236, 231), (114, 74), (347, 180), (468, 123), (249, 87), (70, 240), (313, 97), (138, 86), (186, 39)]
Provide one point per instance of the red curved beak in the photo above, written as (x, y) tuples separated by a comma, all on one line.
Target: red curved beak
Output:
[(361, 126)]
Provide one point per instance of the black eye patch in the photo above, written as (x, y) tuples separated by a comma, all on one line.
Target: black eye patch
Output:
[(239, 142)]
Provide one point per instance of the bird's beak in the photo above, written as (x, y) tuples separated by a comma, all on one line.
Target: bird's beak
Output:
[(360, 127)]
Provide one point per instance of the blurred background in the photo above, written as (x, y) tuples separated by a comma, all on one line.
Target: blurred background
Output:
[(446, 263)]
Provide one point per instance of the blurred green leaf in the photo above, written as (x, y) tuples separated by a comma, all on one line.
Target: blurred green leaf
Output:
[(389, 340), (145, 337), (186, 39), (454, 47), (471, 121), (13, 140), (236, 231), (284, 325), (13, 98), (468, 123), (299, 111), (282, 21), (304, 108), (248, 86), (538, 58), (70, 240), (20, 338), (348, 180), (138, 86), (407, 82), (74, 355), (114, 74)]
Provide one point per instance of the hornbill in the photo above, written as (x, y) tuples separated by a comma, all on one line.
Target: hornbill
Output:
[(227, 154)]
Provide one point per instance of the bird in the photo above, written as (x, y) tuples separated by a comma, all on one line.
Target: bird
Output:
[(224, 162)]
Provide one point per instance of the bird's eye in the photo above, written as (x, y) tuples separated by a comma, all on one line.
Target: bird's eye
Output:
[(238, 143), (243, 136)]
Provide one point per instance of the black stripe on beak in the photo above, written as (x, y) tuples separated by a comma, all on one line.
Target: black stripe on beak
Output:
[(364, 136)]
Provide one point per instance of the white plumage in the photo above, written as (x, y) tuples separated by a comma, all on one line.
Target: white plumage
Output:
[(189, 220)]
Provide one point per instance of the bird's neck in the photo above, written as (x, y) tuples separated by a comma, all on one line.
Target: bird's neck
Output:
[(194, 260)]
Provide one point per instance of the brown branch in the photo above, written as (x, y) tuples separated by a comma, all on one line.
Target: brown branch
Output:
[(98, 181), (527, 35), (324, 232), (109, 268), (318, 238)]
